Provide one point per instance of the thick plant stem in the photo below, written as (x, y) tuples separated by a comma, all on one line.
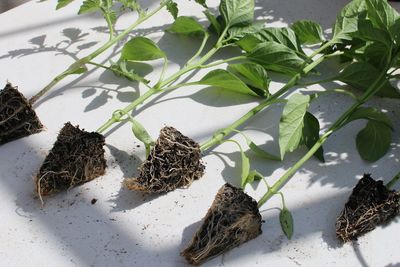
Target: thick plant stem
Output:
[(80, 63), (340, 122), (218, 137)]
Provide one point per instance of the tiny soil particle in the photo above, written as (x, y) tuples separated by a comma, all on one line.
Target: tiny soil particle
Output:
[(232, 220), (77, 157), (94, 200), (369, 205), (17, 118), (175, 161)]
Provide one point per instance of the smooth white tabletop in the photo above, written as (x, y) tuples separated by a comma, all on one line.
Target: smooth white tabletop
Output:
[(125, 228)]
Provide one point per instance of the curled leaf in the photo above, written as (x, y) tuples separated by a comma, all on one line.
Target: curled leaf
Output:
[(286, 221)]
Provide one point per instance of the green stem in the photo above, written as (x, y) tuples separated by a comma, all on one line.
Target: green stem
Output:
[(218, 137), (331, 79), (109, 22), (203, 44), (80, 63), (341, 121), (321, 49), (392, 182), (219, 62)]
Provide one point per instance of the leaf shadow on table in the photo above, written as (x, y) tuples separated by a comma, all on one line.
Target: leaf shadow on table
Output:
[(84, 230), (127, 199)]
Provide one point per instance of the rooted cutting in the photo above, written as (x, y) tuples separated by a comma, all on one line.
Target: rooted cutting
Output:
[(232, 220), (17, 118), (77, 157), (175, 161), (369, 205)]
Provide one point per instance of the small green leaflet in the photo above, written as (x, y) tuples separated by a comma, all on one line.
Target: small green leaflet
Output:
[(186, 26), (361, 75), (374, 140), (381, 14), (226, 80), (89, 6), (371, 114), (245, 168), (253, 176), (140, 133), (276, 57), (292, 122), (311, 135), (237, 12), (63, 3), (141, 49), (286, 220), (172, 8), (347, 20), (308, 32), (253, 75), (130, 4), (236, 33)]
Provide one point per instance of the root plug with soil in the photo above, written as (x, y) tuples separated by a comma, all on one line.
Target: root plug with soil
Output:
[(77, 157), (233, 219), (370, 204), (17, 117), (174, 162)]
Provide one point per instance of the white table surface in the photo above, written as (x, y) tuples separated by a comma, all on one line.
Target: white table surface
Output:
[(125, 228)]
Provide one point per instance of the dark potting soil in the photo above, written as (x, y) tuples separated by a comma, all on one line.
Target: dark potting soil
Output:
[(232, 220), (17, 118), (77, 157), (175, 161), (369, 205)]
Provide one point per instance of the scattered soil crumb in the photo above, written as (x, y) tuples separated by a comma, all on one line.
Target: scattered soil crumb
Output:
[(370, 204), (232, 220), (93, 201)]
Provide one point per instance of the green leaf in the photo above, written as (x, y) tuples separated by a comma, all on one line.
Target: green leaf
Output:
[(89, 6), (254, 75), (262, 153), (371, 114), (367, 32), (361, 75), (376, 54), (347, 21), (130, 4), (286, 221), (245, 168), (276, 57), (284, 36), (226, 80), (63, 3), (292, 123), (254, 176), (186, 26), (215, 25), (141, 49), (374, 141), (236, 33), (395, 31), (237, 12), (172, 8), (308, 32), (311, 134), (381, 14), (140, 133)]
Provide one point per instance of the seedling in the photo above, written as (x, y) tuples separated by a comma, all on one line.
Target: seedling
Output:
[(16, 126)]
